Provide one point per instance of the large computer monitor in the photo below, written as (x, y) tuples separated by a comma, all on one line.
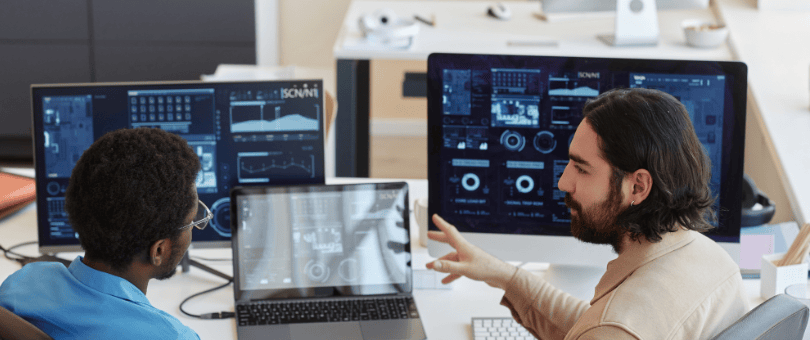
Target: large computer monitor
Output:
[(499, 128), (245, 133)]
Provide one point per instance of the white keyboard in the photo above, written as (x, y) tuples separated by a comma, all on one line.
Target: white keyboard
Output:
[(499, 329)]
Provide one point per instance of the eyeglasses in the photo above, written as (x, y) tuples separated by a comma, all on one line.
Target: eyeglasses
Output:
[(201, 219)]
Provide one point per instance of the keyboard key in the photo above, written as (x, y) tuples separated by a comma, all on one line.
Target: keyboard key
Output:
[(326, 311), (498, 328)]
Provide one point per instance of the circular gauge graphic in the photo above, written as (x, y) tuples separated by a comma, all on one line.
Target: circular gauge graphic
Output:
[(221, 223), (524, 184), (316, 271), (53, 188), (513, 141), (544, 142), (348, 270), (470, 182)]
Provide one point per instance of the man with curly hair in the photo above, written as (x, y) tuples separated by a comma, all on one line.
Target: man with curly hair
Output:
[(132, 200), (637, 179)]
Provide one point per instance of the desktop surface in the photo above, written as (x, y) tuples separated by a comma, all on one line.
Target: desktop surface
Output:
[(447, 313), (555, 6), (465, 27)]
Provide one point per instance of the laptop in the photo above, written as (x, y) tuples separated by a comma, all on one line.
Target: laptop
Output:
[(323, 261)]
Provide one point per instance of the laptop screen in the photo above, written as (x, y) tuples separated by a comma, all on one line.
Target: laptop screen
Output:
[(320, 240)]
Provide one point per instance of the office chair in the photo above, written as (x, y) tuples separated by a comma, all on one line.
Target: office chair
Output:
[(13, 327), (780, 317)]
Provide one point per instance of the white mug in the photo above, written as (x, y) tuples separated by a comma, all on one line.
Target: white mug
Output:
[(420, 212)]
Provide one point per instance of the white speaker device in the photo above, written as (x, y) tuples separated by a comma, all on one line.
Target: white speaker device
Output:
[(385, 27)]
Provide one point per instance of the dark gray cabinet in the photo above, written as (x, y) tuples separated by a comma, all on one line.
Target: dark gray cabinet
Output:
[(71, 41)]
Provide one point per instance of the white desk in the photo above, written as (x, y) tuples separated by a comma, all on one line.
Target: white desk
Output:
[(464, 27), (775, 45), (446, 313)]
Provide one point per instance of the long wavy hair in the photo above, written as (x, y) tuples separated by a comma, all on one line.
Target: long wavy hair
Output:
[(650, 129)]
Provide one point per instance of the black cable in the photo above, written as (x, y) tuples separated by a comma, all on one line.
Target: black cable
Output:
[(220, 315), (19, 257), (210, 259)]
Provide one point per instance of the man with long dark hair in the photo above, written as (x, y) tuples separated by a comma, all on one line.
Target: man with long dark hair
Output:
[(638, 180), (132, 200)]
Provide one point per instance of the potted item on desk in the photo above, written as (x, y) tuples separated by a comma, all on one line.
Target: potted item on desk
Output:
[(782, 270)]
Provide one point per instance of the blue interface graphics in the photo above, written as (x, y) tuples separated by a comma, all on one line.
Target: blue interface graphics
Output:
[(499, 140), (250, 133)]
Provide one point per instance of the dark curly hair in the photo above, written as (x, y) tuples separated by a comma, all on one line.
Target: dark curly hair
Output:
[(650, 129), (131, 188)]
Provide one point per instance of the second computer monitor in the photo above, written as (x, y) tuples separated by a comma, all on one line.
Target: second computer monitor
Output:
[(245, 133), (500, 126)]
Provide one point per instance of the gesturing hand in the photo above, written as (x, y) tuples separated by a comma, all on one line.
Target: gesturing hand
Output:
[(468, 260)]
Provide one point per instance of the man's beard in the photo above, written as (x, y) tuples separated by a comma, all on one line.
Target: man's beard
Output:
[(598, 224)]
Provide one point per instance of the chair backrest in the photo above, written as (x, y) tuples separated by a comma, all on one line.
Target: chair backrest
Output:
[(13, 327), (780, 317)]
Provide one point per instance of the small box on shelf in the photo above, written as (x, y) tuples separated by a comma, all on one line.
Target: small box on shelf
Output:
[(774, 280)]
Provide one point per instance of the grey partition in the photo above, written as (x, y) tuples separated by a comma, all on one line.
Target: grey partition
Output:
[(40, 41), (43, 41)]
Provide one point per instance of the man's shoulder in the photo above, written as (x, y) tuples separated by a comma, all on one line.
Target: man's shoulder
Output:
[(36, 273), (700, 265), (702, 257), (51, 298), (676, 287)]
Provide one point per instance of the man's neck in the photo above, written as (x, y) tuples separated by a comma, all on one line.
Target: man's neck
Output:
[(131, 274), (625, 243)]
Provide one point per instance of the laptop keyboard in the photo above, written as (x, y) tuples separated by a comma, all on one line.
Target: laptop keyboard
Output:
[(499, 328), (269, 313)]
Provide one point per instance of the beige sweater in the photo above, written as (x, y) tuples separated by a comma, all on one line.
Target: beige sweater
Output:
[(683, 287)]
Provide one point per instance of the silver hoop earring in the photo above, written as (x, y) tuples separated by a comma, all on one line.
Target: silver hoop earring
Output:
[(631, 203)]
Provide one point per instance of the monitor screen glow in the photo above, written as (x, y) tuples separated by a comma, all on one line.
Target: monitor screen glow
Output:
[(245, 133), (499, 129)]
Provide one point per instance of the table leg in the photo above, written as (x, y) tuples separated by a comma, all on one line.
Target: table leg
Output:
[(352, 121)]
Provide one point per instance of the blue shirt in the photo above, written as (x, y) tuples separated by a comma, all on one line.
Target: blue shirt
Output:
[(80, 302)]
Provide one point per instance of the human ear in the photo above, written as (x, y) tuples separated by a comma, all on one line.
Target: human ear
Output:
[(641, 181), (159, 251)]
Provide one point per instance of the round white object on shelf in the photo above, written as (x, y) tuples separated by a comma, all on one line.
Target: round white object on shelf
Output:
[(700, 33)]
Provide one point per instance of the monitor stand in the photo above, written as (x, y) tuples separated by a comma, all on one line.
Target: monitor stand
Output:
[(636, 24), (186, 263), (579, 281)]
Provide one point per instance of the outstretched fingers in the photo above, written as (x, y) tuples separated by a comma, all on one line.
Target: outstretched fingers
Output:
[(449, 234), (438, 236), (450, 278), (449, 257)]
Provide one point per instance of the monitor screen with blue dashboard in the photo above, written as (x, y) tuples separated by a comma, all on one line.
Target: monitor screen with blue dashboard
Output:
[(499, 129), (245, 133)]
